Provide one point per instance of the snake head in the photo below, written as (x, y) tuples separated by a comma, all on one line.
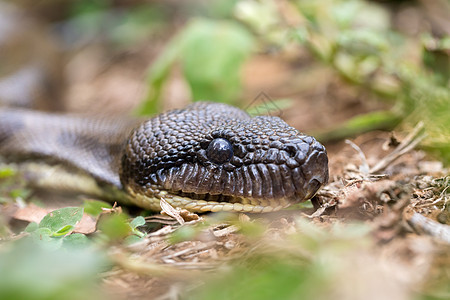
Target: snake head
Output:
[(215, 157)]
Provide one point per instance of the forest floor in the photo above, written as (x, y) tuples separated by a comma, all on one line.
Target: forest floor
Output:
[(377, 230)]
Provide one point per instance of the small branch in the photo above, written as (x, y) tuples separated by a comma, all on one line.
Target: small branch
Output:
[(364, 165), (411, 141), (148, 268), (423, 225)]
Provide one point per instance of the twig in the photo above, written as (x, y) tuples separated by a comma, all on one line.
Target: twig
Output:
[(142, 267), (414, 138), (431, 203), (226, 231), (422, 224), (364, 165), (191, 249)]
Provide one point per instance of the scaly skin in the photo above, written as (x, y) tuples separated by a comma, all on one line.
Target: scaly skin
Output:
[(206, 157)]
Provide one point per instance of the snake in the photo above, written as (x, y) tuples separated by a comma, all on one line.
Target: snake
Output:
[(204, 157)]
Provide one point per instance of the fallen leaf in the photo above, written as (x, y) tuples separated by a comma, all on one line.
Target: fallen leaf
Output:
[(34, 213)]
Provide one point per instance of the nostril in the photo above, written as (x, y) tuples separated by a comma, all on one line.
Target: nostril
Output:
[(291, 149)]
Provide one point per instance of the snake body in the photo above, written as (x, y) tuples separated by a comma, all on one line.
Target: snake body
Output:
[(205, 157)]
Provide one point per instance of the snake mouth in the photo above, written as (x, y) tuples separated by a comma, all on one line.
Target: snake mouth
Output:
[(150, 198), (210, 203), (216, 203)]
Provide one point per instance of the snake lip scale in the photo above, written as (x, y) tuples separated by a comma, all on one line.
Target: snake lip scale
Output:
[(205, 157)]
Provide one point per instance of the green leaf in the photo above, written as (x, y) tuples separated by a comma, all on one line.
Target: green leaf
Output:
[(184, 233), (75, 240), (63, 231), (213, 53), (158, 74), (95, 207), (20, 193), (138, 221), (115, 226), (42, 234), (32, 227), (378, 120), (43, 237), (59, 221), (6, 172), (131, 239)]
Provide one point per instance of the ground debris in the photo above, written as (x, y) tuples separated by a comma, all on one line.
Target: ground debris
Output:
[(424, 225)]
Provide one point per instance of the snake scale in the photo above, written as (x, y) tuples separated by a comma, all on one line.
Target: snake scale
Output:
[(205, 157)]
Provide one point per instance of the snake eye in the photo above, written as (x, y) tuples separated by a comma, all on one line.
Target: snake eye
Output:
[(220, 151)]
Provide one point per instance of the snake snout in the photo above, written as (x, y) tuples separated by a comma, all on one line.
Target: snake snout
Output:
[(315, 169)]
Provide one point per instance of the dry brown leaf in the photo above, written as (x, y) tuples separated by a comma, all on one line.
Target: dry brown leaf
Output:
[(171, 211)]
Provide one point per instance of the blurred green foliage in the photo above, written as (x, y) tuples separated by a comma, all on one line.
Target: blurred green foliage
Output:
[(362, 47), (211, 54), (51, 262), (12, 186), (35, 273), (355, 38), (121, 26), (95, 207), (62, 221)]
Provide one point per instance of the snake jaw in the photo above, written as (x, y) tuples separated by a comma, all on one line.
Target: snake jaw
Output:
[(150, 197), (152, 202), (306, 187)]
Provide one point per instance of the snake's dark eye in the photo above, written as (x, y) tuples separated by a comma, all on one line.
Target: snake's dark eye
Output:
[(220, 151)]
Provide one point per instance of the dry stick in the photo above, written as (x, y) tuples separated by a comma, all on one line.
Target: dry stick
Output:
[(364, 165), (418, 222), (414, 138), (150, 268), (422, 224)]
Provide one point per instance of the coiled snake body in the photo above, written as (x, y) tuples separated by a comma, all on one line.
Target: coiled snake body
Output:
[(205, 157)]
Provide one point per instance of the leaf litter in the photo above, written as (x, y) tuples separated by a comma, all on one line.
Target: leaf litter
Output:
[(388, 226)]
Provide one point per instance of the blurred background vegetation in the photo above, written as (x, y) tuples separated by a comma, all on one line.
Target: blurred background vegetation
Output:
[(335, 68), (390, 57)]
